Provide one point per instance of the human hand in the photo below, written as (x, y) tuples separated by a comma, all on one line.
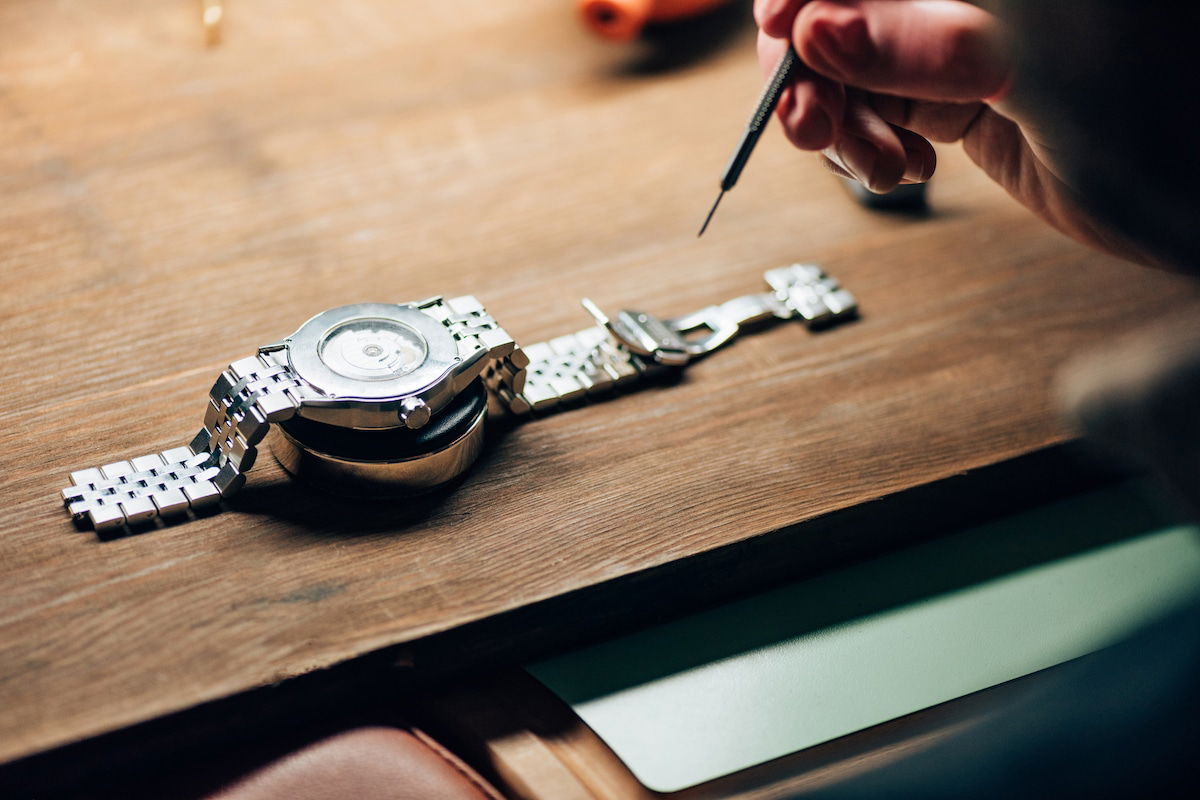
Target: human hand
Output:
[(881, 79)]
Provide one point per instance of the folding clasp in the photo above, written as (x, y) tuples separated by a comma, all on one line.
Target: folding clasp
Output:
[(800, 291), (668, 341)]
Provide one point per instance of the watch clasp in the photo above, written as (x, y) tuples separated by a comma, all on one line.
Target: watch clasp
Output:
[(799, 291), (667, 341)]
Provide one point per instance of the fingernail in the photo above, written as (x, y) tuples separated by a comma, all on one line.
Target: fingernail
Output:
[(845, 43), (917, 167), (859, 157)]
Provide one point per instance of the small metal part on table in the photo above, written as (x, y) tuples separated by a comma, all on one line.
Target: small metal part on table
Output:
[(905, 197), (212, 13)]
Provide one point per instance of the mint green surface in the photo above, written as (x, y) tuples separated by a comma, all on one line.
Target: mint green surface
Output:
[(719, 691)]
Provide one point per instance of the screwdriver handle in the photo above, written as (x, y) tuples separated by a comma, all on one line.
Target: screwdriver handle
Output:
[(762, 115)]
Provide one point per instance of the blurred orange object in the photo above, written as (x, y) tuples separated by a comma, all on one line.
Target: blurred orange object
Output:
[(624, 19)]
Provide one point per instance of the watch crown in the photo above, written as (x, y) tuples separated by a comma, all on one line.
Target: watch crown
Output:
[(414, 413)]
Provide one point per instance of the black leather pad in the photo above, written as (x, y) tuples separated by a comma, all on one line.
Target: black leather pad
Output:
[(396, 443)]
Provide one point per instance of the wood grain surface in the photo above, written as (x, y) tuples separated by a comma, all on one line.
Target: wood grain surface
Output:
[(164, 208)]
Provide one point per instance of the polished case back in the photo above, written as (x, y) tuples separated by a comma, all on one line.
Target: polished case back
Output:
[(349, 402)]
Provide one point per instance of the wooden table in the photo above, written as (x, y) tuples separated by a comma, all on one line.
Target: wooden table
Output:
[(166, 208)]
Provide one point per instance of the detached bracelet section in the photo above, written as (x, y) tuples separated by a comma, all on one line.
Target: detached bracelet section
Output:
[(248, 396), (636, 345)]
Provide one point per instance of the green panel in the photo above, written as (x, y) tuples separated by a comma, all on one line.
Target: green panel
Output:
[(719, 691)]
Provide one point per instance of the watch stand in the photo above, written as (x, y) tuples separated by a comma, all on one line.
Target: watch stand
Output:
[(392, 462)]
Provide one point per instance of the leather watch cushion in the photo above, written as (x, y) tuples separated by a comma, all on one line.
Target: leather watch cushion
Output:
[(370, 763), (393, 444)]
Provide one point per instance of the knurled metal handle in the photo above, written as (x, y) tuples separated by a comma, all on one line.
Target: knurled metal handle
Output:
[(248, 395)]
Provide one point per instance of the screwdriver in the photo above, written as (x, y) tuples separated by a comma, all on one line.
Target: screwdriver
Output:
[(762, 115)]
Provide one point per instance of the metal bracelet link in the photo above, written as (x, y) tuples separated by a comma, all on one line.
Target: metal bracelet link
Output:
[(479, 336), (571, 366), (809, 294), (248, 395)]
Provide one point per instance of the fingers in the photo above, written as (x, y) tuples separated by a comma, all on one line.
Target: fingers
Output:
[(811, 107), (878, 155), (853, 158), (817, 114), (775, 17), (941, 50), (938, 122), (920, 159)]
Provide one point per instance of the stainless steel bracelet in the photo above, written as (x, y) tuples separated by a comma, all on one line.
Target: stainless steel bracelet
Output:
[(254, 392), (616, 352), (249, 395)]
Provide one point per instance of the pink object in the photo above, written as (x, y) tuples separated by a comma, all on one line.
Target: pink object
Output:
[(624, 19)]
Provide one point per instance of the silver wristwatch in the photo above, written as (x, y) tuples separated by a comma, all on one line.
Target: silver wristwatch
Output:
[(391, 398)]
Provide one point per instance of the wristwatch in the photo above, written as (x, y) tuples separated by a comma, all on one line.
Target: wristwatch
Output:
[(378, 398)]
